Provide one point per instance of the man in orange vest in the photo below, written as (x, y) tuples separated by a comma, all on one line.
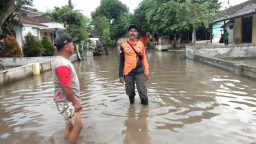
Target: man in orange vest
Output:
[(133, 67)]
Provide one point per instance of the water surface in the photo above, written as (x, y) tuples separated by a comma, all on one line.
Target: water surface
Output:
[(189, 103)]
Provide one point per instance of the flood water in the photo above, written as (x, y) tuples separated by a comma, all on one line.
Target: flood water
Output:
[(189, 103)]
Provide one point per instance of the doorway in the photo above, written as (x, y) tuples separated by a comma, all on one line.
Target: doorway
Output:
[(247, 29)]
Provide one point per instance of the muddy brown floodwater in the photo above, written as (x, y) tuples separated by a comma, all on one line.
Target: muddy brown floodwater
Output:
[(189, 103)]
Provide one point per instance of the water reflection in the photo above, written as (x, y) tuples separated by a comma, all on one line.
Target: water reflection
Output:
[(136, 126), (25, 110), (189, 102)]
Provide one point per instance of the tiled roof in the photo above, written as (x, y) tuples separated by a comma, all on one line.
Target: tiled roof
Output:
[(33, 18), (241, 9), (233, 9), (28, 21)]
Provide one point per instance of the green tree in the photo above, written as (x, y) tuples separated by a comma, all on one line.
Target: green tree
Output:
[(139, 18), (98, 25), (112, 9), (75, 22), (10, 10), (32, 46), (167, 16), (108, 21), (12, 48), (102, 30), (119, 27), (197, 13), (48, 47), (155, 12)]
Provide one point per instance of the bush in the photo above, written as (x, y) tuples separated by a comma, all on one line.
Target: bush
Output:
[(12, 48), (48, 47), (32, 46)]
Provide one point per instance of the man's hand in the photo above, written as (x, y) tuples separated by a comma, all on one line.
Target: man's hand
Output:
[(122, 80), (78, 106), (146, 77)]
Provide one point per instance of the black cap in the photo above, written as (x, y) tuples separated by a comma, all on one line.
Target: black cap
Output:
[(62, 40), (133, 26)]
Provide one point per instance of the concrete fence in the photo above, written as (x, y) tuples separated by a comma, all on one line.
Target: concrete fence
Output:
[(221, 51), (29, 69), (215, 56), (20, 61), (227, 65)]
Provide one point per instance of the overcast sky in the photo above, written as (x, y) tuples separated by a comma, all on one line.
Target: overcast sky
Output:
[(87, 6), (231, 2)]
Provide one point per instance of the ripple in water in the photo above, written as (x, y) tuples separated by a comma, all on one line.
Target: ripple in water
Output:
[(190, 103)]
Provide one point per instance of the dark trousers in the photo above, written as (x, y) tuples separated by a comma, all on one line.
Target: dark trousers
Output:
[(226, 41), (140, 83)]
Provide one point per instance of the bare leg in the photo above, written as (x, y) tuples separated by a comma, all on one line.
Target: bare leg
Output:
[(68, 130), (77, 127)]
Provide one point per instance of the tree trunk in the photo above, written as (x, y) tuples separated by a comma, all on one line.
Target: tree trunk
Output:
[(211, 34), (194, 35), (7, 7)]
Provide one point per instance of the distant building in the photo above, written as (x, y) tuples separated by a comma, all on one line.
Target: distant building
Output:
[(240, 22), (38, 25)]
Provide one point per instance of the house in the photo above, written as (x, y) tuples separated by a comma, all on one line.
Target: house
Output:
[(240, 22), (38, 25)]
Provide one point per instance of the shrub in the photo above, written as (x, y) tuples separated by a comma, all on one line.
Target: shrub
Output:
[(48, 47), (12, 48), (32, 46)]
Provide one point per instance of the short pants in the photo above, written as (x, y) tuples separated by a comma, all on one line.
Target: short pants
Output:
[(67, 110)]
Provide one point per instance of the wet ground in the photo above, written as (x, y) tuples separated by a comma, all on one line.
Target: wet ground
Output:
[(189, 103)]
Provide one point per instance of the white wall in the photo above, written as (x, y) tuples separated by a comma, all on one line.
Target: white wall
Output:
[(18, 36), (231, 34), (217, 32), (21, 32), (32, 30)]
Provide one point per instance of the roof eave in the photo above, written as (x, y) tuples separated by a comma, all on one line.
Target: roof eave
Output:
[(249, 12), (35, 26)]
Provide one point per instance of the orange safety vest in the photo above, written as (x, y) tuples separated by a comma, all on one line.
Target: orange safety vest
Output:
[(131, 57)]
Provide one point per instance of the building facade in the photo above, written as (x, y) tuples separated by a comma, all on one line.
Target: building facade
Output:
[(240, 22), (38, 25)]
